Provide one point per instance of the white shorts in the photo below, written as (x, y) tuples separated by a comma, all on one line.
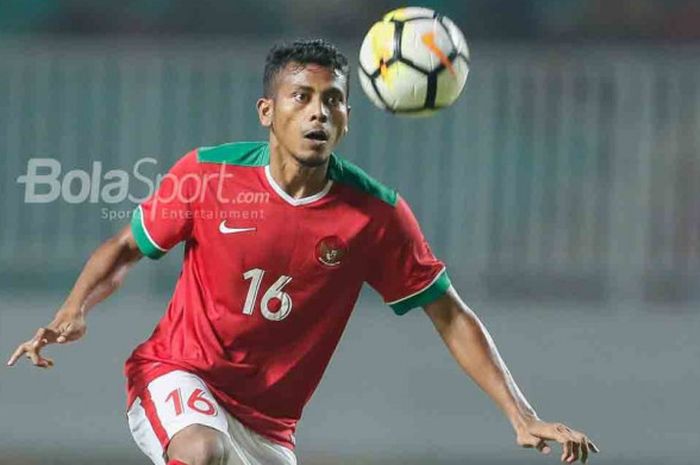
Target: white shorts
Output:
[(179, 399)]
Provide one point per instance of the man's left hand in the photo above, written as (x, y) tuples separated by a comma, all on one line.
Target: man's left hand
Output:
[(575, 444)]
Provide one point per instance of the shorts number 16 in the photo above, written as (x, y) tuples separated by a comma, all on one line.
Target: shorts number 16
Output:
[(196, 402)]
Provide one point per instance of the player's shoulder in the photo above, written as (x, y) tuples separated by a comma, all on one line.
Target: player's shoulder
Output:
[(246, 153), (340, 170), (347, 173)]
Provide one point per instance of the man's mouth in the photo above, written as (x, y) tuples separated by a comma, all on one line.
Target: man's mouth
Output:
[(317, 135)]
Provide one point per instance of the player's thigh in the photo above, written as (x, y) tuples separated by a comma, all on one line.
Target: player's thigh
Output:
[(178, 407), (197, 444), (168, 405)]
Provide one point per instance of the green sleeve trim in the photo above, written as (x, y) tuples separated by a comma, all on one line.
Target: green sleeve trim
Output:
[(423, 297), (345, 172), (146, 244)]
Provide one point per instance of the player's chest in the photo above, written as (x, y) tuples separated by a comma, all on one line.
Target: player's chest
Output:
[(308, 243)]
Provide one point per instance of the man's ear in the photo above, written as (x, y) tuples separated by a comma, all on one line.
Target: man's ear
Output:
[(346, 129), (265, 110)]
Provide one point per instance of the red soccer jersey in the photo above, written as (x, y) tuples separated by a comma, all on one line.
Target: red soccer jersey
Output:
[(268, 282)]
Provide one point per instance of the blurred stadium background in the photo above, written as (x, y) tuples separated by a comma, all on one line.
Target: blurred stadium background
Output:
[(561, 190)]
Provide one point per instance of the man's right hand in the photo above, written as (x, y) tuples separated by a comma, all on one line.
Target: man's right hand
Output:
[(103, 274), (67, 326)]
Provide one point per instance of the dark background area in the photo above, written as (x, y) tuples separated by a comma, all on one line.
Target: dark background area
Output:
[(545, 20)]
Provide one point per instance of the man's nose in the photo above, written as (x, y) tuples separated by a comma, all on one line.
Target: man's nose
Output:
[(320, 111)]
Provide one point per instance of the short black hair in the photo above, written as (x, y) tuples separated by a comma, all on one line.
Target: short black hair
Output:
[(316, 51)]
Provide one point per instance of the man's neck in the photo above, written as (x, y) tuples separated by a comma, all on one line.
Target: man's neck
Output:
[(294, 178)]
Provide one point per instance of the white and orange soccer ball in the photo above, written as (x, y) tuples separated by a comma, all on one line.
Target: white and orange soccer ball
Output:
[(414, 61)]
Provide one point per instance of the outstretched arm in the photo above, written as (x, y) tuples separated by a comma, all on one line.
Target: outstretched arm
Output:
[(103, 274), (473, 348)]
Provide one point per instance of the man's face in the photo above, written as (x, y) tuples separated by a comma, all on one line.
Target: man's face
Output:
[(308, 114)]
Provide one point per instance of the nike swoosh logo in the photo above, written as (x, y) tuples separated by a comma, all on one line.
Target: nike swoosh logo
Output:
[(429, 41), (223, 229)]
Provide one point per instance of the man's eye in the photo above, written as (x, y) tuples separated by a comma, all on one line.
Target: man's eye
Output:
[(334, 101), (299, 97)]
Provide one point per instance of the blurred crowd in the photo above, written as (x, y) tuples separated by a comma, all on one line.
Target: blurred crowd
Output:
[(493, 19)]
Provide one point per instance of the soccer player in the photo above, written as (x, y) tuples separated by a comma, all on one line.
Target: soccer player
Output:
[(279, 238)]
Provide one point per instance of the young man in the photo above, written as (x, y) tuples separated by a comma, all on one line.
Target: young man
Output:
[(280, 237)]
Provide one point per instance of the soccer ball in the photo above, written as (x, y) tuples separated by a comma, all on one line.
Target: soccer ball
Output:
[(414, 61)]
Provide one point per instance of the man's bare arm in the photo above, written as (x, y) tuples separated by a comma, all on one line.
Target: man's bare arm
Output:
[(103, 273), (474, 350)]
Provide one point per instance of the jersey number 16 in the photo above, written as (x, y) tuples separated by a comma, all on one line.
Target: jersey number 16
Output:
[(273, 292)]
